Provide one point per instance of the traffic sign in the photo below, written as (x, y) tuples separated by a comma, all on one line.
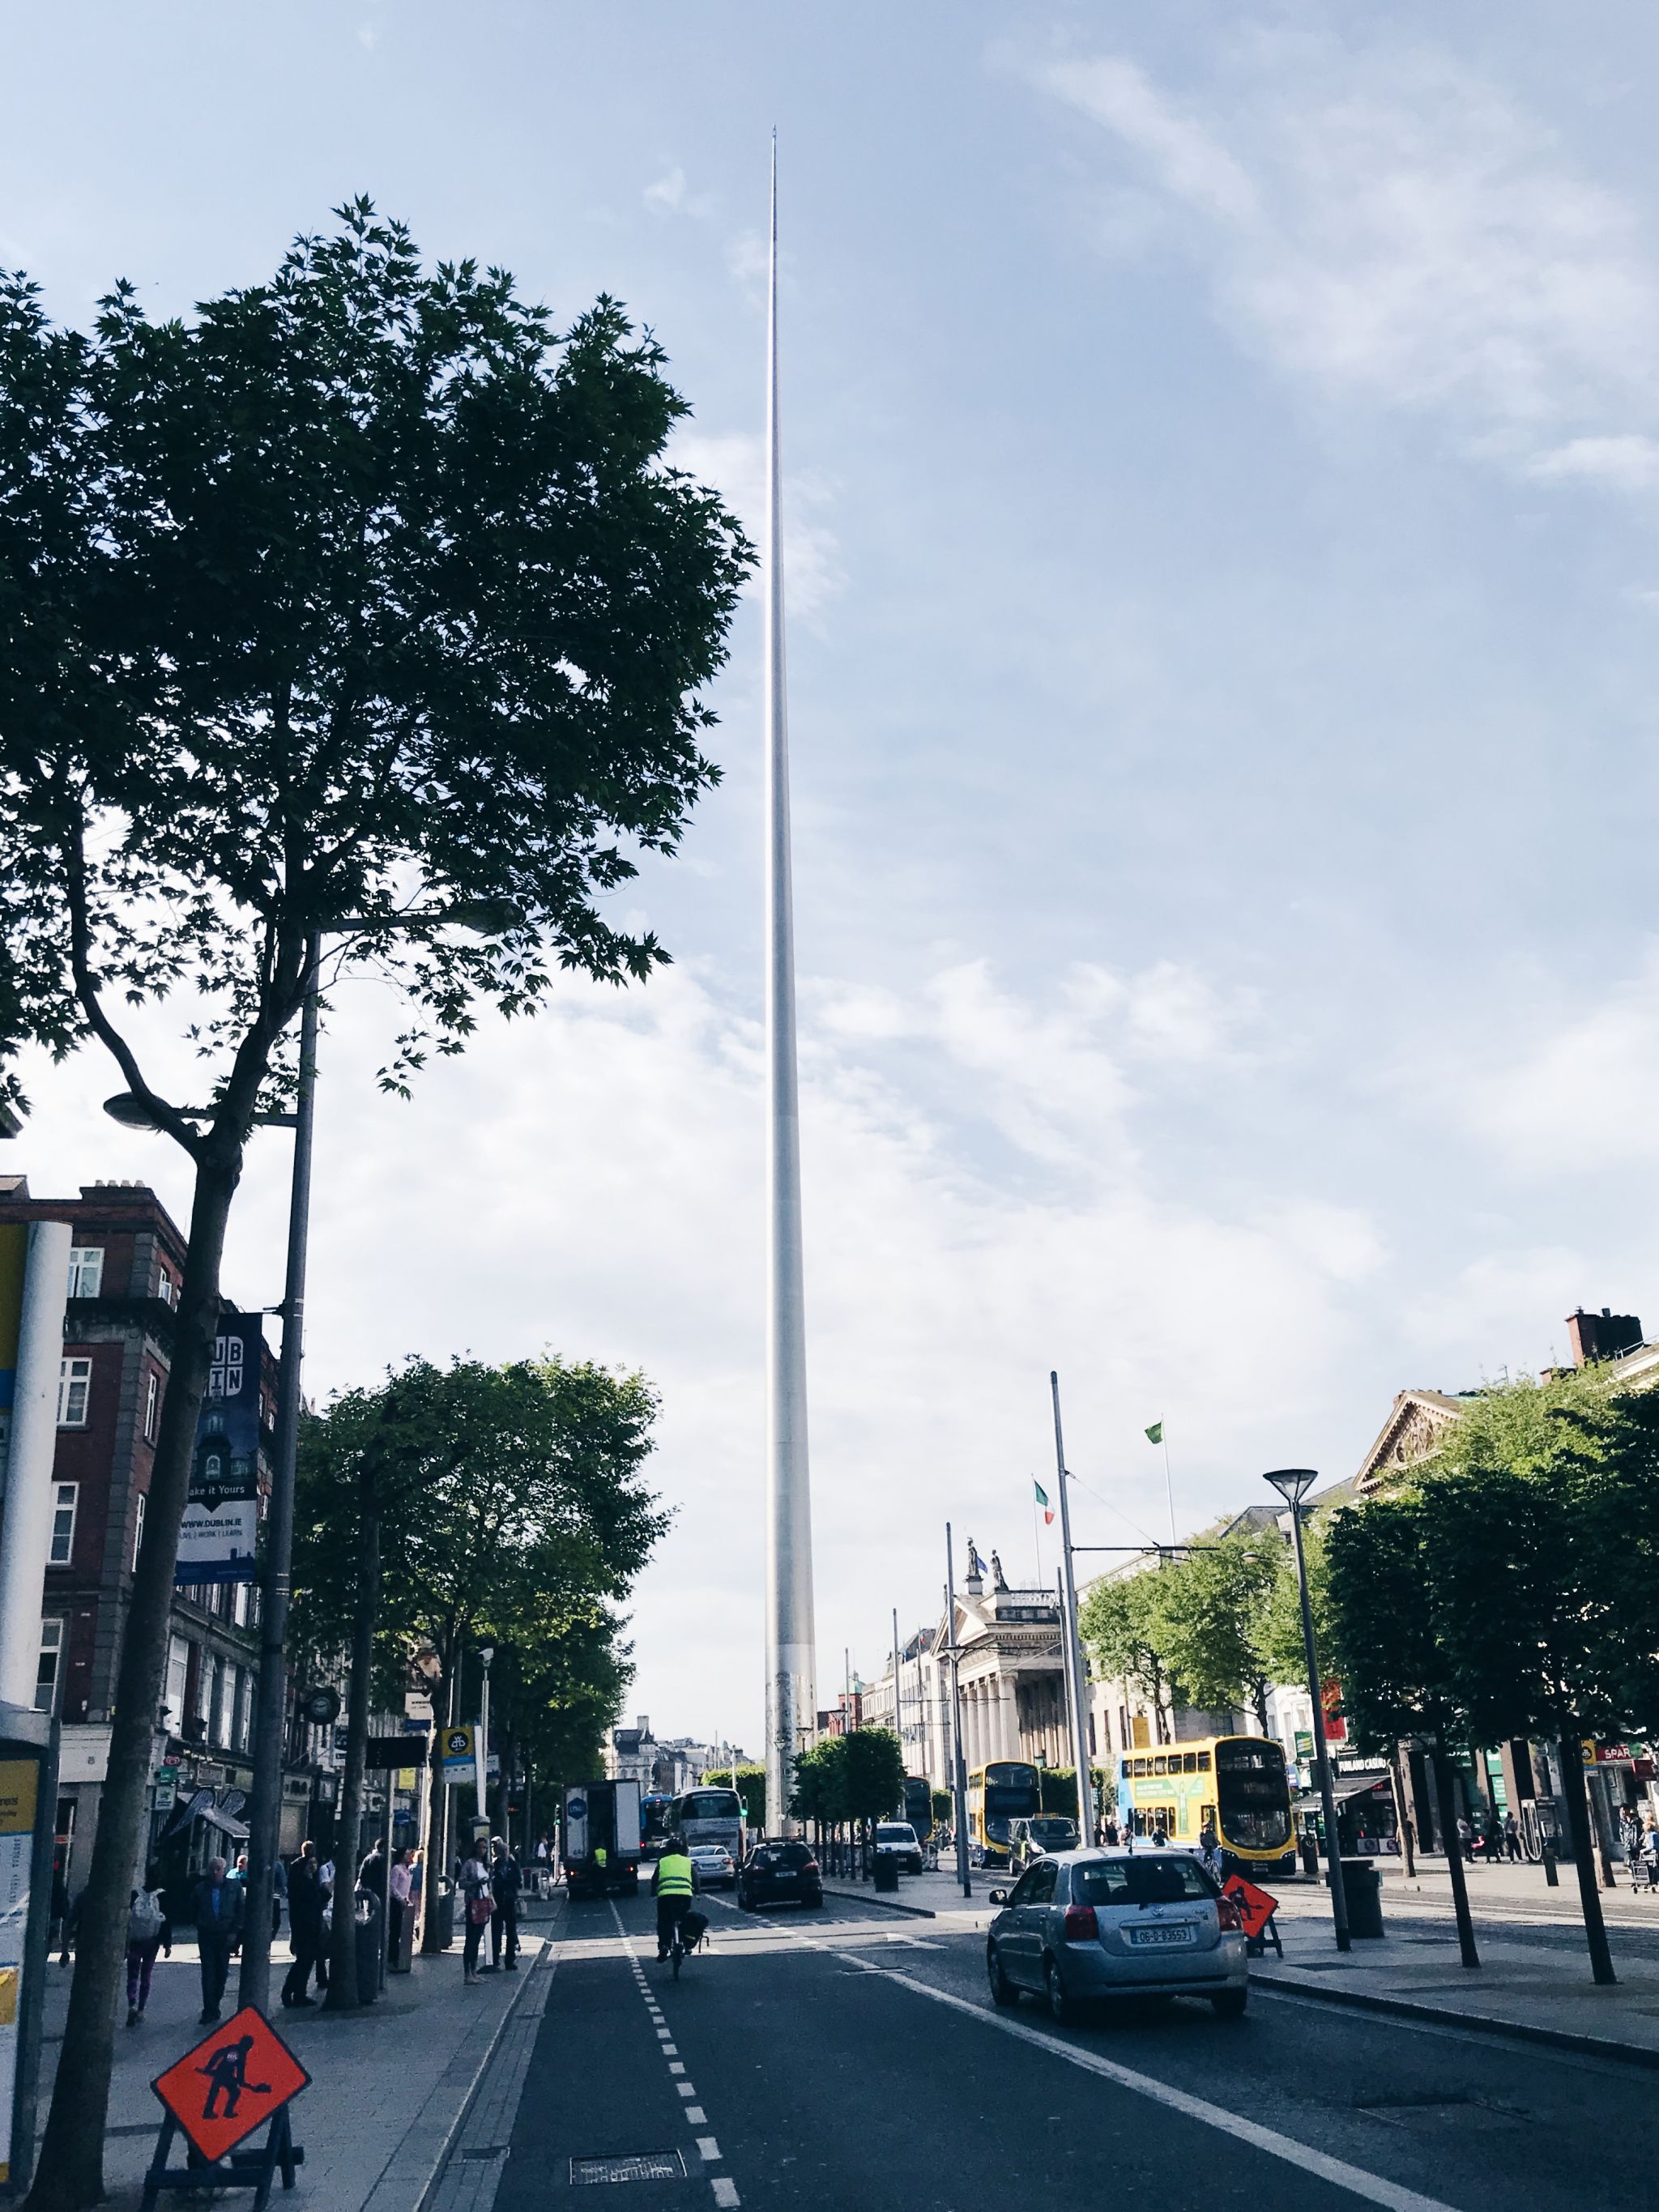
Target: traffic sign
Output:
[(460, 1763), (231, 2083), (1255, 1907)]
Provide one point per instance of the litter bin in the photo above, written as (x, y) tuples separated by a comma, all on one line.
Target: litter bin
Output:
[(887, 1872), (1362, 1886), (369, 1948), (445, 1912)]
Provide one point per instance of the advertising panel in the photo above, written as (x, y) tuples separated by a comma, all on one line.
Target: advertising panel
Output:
[(19, 1780), (220, 1526)]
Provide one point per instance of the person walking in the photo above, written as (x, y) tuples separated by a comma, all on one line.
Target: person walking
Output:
[(218, 1907), (480, 1903), (149, 1931), (504, 1886), (305, 1926), (1466, 1839), (1630, 1835), (1650, 1851), (1511, 1839)]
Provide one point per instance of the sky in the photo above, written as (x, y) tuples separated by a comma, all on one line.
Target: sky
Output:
[(1222, 451)]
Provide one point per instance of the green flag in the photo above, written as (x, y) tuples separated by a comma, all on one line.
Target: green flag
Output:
[(1155, 1434)]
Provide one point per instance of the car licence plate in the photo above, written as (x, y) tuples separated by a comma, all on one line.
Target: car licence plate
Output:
[(1146, 1938)]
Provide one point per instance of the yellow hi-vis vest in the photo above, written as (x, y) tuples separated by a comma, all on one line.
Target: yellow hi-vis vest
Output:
[(674, 1876), (601, 1856)]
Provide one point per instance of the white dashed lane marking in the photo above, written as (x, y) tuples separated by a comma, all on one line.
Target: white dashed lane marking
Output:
[(696, 2115), (708, 2149), (726, 2193), (725, 2189)]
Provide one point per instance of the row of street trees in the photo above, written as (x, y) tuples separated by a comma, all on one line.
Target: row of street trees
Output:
[(466, 1505), (352, 620), (849, 1782)]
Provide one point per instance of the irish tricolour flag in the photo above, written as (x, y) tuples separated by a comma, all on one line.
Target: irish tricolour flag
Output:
[(1043, 1500)]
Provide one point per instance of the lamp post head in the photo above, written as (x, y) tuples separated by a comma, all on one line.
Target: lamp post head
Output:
[(1292, 1483), (486, 1652)]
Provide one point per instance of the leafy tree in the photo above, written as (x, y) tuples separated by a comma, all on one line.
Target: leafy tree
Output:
[(944, 1806), (751, 1788), (1382, 1640), (1214, 1614), (511, 1512), (1123, 1623), (1279, 1628), (1058, 1788), (873, 1769), (818, 1796), (357, 599)]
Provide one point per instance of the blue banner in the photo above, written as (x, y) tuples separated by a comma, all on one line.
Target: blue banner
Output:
[(217, 1541)]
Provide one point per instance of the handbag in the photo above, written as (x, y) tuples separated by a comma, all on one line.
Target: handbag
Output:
[(479, 1909)]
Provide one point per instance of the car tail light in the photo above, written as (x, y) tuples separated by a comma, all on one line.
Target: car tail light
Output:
[(1232, 1920), (810, 1867), (1081, 1926)]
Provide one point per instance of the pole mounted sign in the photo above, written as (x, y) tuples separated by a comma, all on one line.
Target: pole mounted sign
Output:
[(460, 1761), (220, 1525)]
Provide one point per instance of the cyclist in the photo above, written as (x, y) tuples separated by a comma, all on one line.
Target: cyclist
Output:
[(675, 1883)]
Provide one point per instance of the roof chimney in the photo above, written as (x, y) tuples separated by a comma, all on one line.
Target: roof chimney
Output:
[(1606, 1335), (643, 1725)]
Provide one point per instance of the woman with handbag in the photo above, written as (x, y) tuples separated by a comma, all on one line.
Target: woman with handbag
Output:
[(480, 1903)]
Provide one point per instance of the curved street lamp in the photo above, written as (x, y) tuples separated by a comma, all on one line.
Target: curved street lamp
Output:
[(1294, 1483)]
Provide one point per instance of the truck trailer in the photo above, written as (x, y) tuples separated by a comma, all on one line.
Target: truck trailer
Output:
[(600, 1845)]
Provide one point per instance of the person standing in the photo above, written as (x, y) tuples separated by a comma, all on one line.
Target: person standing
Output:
[(504, 1885), (399, 1902), (149, 1931), (305, 1924), (218, 1906), (479, 1904), (1511, 1837)]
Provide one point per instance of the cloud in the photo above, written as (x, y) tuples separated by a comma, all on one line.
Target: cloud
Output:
[(974, 1216), (734, 462), (1395, 230), (671, 195)]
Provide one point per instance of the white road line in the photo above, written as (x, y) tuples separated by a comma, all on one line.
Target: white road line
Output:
[(726, 2191), (676, 2065), (709, 2148), (696, 2115), (669, 2049), (685, 2088), (1354, 2179)]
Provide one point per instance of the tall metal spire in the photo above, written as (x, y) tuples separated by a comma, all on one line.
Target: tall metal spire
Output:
[(790, 1683)]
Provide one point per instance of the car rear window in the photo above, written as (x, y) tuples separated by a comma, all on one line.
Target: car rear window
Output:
[(1142, 1879), (782, 1855)]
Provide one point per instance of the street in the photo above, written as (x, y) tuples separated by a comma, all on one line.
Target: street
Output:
[(851, 2057)]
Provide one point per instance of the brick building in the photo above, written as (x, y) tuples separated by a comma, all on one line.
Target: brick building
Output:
[(126, 1262)]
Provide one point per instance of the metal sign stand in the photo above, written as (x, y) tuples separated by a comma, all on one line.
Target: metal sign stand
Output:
[(243, 2169)]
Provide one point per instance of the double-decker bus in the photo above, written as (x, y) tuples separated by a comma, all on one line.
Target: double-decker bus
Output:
[(998, 1793), (1236, 1784), (919, 1806), (655, 1821), (710, 1816)]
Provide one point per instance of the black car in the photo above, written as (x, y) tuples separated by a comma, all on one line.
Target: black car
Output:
[(778, 1871)]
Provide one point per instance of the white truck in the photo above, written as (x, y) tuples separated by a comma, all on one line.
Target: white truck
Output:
[(600, 1845)]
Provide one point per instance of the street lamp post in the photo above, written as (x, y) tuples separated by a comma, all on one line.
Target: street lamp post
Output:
[(958, 1766), (487, 1652), (1294, 1483)]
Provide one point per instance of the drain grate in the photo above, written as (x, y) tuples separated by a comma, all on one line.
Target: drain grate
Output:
[(639, 2165)]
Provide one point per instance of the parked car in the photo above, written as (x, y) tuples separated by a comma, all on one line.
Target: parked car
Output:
[(716, 1869), (778, 1871), (897, 1840), (1084, 1925), (1037, 1838)]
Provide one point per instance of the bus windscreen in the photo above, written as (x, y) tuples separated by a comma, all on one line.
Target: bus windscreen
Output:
[(1253, 1798)]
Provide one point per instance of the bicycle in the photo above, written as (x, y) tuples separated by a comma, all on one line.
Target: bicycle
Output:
[(679, 1949)]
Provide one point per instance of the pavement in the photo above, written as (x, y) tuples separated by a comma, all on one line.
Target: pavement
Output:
[(391, 2085), (852, 2056)]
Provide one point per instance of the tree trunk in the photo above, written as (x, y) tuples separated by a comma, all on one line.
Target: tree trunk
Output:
[(1583, 1850), (1401, 1816), (342, 1990), (1260, 1702), (70, 2176), (1441, 1762)]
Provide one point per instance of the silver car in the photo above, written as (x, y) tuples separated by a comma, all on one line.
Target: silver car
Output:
[(1081, 1925), (715, 1867)]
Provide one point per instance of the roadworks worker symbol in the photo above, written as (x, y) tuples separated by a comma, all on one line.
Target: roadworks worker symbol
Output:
[(1255, 1907), (231, 2083)]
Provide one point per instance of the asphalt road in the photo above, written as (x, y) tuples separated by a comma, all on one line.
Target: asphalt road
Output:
[(848, 2058)]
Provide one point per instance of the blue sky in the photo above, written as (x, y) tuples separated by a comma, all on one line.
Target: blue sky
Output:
[(1223, 461)]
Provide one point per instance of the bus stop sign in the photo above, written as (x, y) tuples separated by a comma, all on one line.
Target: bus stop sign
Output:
[(1255, 1907), (231, 2083)]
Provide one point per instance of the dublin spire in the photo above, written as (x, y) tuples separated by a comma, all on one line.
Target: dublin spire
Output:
[(790, 1692)]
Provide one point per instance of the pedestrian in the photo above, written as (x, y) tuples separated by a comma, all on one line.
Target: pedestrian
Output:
[(371, 1874), (305, 1926), (1511, 1839), (1650, 1851), (1466, 1839), (149, 1931), (218, 1907), (1208, 1844), (1630, 1832), (473, 1883), (504, 1885), (398, 1905)]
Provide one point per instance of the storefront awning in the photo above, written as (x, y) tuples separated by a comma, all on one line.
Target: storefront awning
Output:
[(227, 1823)]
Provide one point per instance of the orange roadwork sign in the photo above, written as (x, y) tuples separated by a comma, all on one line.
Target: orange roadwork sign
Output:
[(1255, 1907), (231, 2083)]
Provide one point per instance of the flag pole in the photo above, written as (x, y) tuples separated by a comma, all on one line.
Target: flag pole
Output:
[(1168, 1486), (1075, 1664)]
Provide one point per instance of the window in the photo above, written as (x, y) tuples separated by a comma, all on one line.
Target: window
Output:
[(1161, 1764), (244, 1707), (152, 1405), (138, 1530), (166, 1288), (1203, 1762), (47, 1667), (1139, 1880), (218, 1718), (64, 1495), (241, 1608), (86, 1277), (74, 1386), (1189, 1763), (178, 1671)]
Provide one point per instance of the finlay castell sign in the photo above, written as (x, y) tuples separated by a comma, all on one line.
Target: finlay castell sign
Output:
[(217, 1542)]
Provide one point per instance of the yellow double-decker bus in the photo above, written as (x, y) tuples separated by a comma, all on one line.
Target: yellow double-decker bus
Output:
[(999, 1793), (1236, 1784)]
